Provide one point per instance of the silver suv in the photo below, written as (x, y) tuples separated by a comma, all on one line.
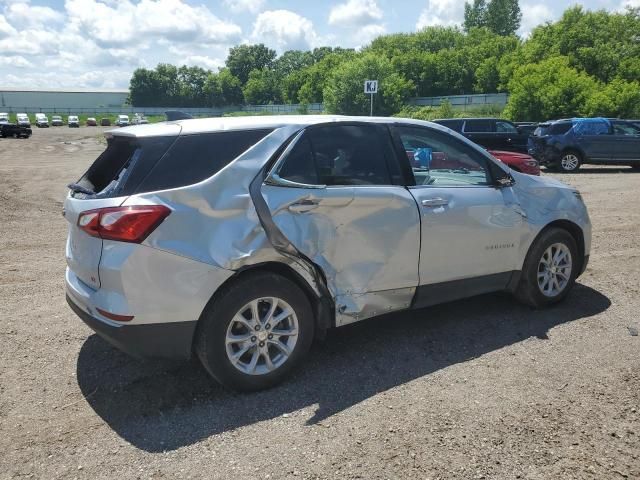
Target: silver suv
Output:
[(243, 239)]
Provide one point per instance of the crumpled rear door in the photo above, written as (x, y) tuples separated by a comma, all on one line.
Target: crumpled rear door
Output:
[(364, 238)]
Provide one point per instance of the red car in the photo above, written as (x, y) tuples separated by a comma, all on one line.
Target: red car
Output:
[(520, 162)]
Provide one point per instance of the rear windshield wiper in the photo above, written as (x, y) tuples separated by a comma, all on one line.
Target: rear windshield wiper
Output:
[(77, 188)]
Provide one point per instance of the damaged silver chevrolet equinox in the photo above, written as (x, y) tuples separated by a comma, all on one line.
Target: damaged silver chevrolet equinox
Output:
[(243, 239)]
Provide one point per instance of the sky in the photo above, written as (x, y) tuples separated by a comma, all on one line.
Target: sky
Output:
[(98, 43)]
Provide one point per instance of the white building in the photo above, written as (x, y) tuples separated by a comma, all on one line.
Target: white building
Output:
[(76, 100)]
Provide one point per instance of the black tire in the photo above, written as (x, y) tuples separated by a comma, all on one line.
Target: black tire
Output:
[(210, 342), (528, 291), (566, 159)]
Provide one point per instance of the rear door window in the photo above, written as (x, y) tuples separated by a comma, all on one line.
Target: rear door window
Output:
[(339, 155), (352, 154)]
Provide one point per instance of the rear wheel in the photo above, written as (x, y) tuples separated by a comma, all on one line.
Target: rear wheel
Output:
[(550, 269), (570, 161), (255, 331)]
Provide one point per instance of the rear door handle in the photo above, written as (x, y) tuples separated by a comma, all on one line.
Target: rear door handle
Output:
[(435, 202), (305, 205)]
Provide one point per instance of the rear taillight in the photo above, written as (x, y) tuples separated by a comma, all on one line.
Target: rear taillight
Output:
[(123, 224)]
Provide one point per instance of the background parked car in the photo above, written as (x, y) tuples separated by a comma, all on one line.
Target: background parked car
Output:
[(105, 122), (520, 162), (92, 122), (42, 121), (491, 133), (56, 121), (73, 121), (567, 144), (122, 121), (4, 117), (23, 120), (14, 130)]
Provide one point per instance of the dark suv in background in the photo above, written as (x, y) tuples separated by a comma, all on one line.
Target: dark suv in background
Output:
[(491, 133), (567, 144)]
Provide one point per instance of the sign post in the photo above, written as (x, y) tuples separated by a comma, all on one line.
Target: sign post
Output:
[(371, 87)]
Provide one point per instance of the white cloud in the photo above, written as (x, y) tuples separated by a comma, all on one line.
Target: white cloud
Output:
[(239, 6), (284, 30), (204, 62), (367, 33), (16, 61), (126, 22), (532, 16), (24, 15), (629, 4), (355, 13), (6, 30), (441, 12)]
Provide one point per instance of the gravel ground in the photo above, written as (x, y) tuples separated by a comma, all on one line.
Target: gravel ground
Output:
[(483, 388)]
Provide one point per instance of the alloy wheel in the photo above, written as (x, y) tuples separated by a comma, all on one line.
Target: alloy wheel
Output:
[(262, 336), (554, 270), (570, 162)]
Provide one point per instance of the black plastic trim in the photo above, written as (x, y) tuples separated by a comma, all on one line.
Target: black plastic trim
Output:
[(427, 295), (154, 340)]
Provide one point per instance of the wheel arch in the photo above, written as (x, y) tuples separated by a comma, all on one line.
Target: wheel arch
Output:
[(575, 149), (323, 309), (574, 230)]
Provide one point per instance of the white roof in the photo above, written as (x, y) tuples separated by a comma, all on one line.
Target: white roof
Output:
[(203, 125)]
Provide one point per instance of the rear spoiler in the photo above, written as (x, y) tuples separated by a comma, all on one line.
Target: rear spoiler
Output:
[(177, 115)]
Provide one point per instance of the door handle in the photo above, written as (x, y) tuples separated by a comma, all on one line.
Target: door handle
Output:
[(305, 205), (435, 202)]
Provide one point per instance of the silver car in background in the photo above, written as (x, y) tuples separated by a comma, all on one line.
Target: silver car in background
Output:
[(243, 239)]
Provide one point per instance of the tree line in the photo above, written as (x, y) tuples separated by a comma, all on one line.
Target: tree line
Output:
[(587, 63)]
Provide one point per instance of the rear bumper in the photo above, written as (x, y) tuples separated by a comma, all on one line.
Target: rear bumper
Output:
[(155, 340)]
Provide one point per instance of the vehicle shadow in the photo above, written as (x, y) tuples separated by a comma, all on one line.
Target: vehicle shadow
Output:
[(158, 407)]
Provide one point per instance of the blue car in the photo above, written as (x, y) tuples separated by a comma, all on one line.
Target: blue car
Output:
[(566, 144)]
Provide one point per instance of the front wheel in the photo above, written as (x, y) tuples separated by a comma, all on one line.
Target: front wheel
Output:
[(550, 269), (570, 162), (255, 331)]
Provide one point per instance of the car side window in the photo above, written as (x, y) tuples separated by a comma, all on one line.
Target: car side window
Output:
[(299, 165), (440, 160), (478, 126), (505, 127), (623, 128), (351, 154)]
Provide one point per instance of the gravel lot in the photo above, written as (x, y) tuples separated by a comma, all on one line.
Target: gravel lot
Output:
[(483, 388)]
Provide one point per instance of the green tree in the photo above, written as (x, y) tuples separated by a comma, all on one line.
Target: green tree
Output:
[(316, 77), (144, 88), (618, 99), (344, 93), (475, 14), (223, 89), (191, 81), (263, 87), (242, 59), (292, 61), (549, 89), (503, 16)]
